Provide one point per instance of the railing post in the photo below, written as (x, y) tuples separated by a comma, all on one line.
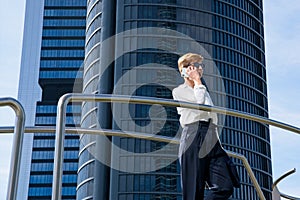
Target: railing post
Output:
[(249, 171), (59, 147), (15, 161)]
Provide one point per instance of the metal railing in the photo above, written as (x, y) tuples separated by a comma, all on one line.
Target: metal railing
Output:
[(15, 161), (280, 179), (61, 130), (67, 98), (159, 138)]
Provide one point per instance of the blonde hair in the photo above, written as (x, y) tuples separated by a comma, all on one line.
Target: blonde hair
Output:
[(187, 58)]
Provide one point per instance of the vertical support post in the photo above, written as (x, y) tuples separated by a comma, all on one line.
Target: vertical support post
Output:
[(59, 147), (250, 173), (15, 161)]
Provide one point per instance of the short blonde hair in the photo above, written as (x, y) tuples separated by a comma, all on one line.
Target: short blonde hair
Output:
[(187, 58)]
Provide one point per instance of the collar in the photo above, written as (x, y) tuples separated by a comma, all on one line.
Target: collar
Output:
[(185, 85)]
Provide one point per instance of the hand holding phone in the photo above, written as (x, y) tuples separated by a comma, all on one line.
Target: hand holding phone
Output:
[(183, 73)]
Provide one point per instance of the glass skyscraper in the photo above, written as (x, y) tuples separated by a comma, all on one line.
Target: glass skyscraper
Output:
[(59, 29), (124, 56), (131, 47)]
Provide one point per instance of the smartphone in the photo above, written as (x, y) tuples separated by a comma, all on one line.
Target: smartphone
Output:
[(183, 73)]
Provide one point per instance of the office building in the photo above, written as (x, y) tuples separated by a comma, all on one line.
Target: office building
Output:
[(119, 53), (52, 58), (124, 56)]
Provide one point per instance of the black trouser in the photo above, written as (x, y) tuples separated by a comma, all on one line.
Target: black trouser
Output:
[(203, 161)]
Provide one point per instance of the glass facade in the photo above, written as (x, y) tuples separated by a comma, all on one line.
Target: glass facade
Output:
[(61, 59), (231, 32), (87, 160), (239, 53)]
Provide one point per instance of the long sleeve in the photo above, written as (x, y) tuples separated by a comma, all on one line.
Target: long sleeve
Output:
[(199, 95), (199, 92), (179, 109)]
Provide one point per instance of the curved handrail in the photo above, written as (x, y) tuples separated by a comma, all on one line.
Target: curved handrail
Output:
[(158, 138), (20, 114), (280, 179), (65, 99), (289, 197), (15, 161), (283, 176)]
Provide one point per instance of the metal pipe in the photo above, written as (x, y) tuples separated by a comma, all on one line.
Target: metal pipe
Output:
[(173, 103), (289, 197), (59, 147), (65, 99), (60, 129), (106, 132), (158, 138), (283, 176), (280, 179), (249, 171), (15, 161)]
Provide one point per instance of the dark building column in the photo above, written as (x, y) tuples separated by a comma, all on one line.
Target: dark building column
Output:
[(102, 171)]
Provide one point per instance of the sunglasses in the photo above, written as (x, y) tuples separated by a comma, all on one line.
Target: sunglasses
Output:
[(196, 64)]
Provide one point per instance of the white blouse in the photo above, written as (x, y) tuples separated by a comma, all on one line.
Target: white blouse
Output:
[(199, 95)]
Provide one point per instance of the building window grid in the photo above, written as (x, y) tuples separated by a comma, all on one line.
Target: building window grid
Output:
[(86, 155), (43, 143), (86, 190), (97, 22), (42, 167), (60, 63), (52, 109), (92, 85), (62, 53), (251, 17), (62, 43), (148, 183), (88, 107), (39, 191), (92, 69), (50, 120), (49, 12), (49, 155), (246, 141), (252, 68), (244, 48), (63, 23), (91, 4), (255, 99), (60, 74), (91, 42), (85, 173), (62, 4), (250, 128), (92, 12), (236, 28), (63, 33)]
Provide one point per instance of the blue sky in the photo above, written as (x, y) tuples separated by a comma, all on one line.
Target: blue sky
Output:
[(282, 33), (11, 23)]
